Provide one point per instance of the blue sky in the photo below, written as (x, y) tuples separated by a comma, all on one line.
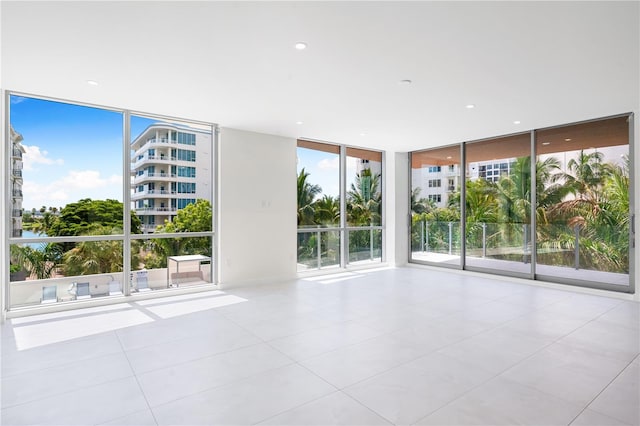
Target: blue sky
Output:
[(75, 152), (324, 170), (72, 151)]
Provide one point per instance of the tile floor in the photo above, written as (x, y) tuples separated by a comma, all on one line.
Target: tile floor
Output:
[(392, 346)]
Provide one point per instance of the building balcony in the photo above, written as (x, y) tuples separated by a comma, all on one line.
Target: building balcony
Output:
[(16, 213), (16, 233), (16, 153), (154, 193), (148, 229), (17, 193), (16, 173), (152, 159), (154, 177), (155, 210)]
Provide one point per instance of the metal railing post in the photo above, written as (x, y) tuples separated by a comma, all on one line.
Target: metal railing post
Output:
[(371, 242), (426, 236), (484, 239), (450, 236), (576, 230), (319, 249), (525, 242)]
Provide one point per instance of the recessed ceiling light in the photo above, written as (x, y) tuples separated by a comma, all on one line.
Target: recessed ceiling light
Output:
[(301, 45), (92, 82), (470, 106), (299, 122), (567, 140), (516, 122), (546, 143), (449, 157)]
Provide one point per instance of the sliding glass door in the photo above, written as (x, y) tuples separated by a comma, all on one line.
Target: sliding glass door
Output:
[(553, 204), (498, 205), (435, 206), (583, 211)]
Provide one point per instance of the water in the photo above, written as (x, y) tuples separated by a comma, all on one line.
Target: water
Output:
[(29, 234)]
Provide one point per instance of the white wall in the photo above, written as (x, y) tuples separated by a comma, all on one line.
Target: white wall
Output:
[(257, 199), (399, 226)]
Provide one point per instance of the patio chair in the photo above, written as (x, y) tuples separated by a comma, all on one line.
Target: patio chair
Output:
[(114, 288), (82, 291), (142, 284), (49, 294)]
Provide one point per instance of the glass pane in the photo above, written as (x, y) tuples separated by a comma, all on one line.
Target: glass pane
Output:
[(59, 186), (583, 201), (435, 206), (318, 185), (318, 250), (161, 263), (365, 246), (498, 204), (171, 175), (44, 273), (364, 187)]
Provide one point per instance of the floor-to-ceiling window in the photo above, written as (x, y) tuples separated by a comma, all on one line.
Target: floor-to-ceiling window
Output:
[(435, 206), (88, 188), (498, 204), (364, 205), (583, 209), (172, 192), (564, 218), (340, 217)]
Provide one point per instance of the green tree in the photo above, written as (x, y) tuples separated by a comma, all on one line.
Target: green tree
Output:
[(364, 200), (95, 257), (420, 205), (195, 217), (327, 211), (39, 262), (80, 217), (307, 193)]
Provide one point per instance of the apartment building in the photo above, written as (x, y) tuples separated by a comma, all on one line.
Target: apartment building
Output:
[(17, 151), (170, 165)]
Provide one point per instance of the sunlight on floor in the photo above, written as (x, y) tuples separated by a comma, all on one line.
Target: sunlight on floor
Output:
[(171, 310), (40, 330)]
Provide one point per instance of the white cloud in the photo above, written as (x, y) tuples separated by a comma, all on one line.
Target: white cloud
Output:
[(329, 164), (77, 184), (33, 155)]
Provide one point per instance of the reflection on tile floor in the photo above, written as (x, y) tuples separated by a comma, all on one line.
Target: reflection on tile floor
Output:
[(385, 346)]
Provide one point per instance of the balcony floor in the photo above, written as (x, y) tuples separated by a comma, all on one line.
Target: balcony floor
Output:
[(376, 347), (521, 267)]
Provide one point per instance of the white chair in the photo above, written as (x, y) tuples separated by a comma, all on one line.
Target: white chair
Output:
[(115, 289), (82, 291), (142, 284), (49, 294)]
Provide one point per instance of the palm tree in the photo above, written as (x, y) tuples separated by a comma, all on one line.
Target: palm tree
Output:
[(38, 262), (420, 205), (364, 200), (306, 196), (94, 257), (327, 210)]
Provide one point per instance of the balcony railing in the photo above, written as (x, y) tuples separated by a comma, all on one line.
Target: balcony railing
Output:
[(17, 153), (16, 233), (16, 173), (155, 209), (17, 193), (16, 213)]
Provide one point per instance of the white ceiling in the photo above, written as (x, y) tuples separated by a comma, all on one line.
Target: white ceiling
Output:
[(234, 63)]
